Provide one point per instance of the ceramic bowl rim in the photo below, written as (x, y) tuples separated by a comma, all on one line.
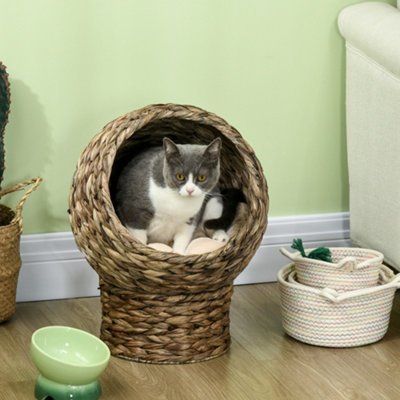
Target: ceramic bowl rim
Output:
[(72, 364)]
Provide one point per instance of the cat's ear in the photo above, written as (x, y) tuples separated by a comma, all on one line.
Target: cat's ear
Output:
[(170, 149), (213, 150)]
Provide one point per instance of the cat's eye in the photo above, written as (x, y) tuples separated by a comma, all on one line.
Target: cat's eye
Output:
[(201, 178), (180, 177)]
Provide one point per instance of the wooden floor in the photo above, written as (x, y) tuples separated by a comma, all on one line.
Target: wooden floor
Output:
[(263, 362)]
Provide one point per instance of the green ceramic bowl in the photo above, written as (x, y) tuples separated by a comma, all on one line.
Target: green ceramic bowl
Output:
[(68, 355)]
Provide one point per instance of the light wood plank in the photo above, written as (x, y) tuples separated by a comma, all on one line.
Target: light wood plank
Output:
[(263, 363)]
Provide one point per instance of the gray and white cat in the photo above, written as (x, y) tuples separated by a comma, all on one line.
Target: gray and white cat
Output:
[(165, 194)]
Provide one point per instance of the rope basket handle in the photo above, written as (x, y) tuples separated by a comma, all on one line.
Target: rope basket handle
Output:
[(336, 297), (288, 254), (347, 264), (21, 186), (393, 281)]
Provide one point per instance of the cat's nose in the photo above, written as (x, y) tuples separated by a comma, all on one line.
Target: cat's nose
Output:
[(190, 190)]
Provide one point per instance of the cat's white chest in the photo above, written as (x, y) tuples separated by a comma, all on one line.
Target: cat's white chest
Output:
[(171, 212)]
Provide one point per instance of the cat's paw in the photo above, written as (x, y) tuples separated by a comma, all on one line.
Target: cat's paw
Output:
[(139, 234), (221, 236), (179, 249)]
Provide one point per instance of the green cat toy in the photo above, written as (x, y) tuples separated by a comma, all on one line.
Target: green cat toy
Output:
[(321, 253)]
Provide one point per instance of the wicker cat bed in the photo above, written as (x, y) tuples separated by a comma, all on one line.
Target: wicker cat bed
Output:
[(162, 307)]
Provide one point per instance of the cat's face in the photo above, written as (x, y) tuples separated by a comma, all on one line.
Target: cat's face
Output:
[(192, 170)]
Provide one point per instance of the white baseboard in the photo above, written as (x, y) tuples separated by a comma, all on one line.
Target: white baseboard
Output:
[(53, 267)]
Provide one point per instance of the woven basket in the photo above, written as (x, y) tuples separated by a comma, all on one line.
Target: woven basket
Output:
[(163, 307), (351, 268), (325, 317), (10, 259)]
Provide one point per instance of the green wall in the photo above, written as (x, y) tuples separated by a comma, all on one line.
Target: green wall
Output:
[(272, 69)]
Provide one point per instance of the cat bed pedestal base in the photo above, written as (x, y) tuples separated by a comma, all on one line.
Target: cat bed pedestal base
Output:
[(166, 329)]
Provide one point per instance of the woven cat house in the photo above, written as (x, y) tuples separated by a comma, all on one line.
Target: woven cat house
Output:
[(160, 307)]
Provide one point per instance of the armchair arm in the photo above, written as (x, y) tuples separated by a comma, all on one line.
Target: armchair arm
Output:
[(374, 29)]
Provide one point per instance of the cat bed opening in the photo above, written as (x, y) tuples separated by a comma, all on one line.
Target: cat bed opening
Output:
[(163, 307)]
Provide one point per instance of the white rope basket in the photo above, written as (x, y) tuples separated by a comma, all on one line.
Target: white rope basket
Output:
[(352, 268), (326, 317)]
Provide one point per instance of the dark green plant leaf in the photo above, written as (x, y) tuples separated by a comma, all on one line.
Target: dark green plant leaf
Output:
[(4, 111)]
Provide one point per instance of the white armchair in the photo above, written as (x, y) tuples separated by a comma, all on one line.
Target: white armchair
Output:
[(372, 33)]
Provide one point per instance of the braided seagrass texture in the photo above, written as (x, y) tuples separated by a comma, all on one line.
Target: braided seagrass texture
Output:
[(325, 317), (10, 259), (166, 329), (154, 281)]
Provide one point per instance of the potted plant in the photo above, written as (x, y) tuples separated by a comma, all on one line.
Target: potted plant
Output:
[(10, 219)]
